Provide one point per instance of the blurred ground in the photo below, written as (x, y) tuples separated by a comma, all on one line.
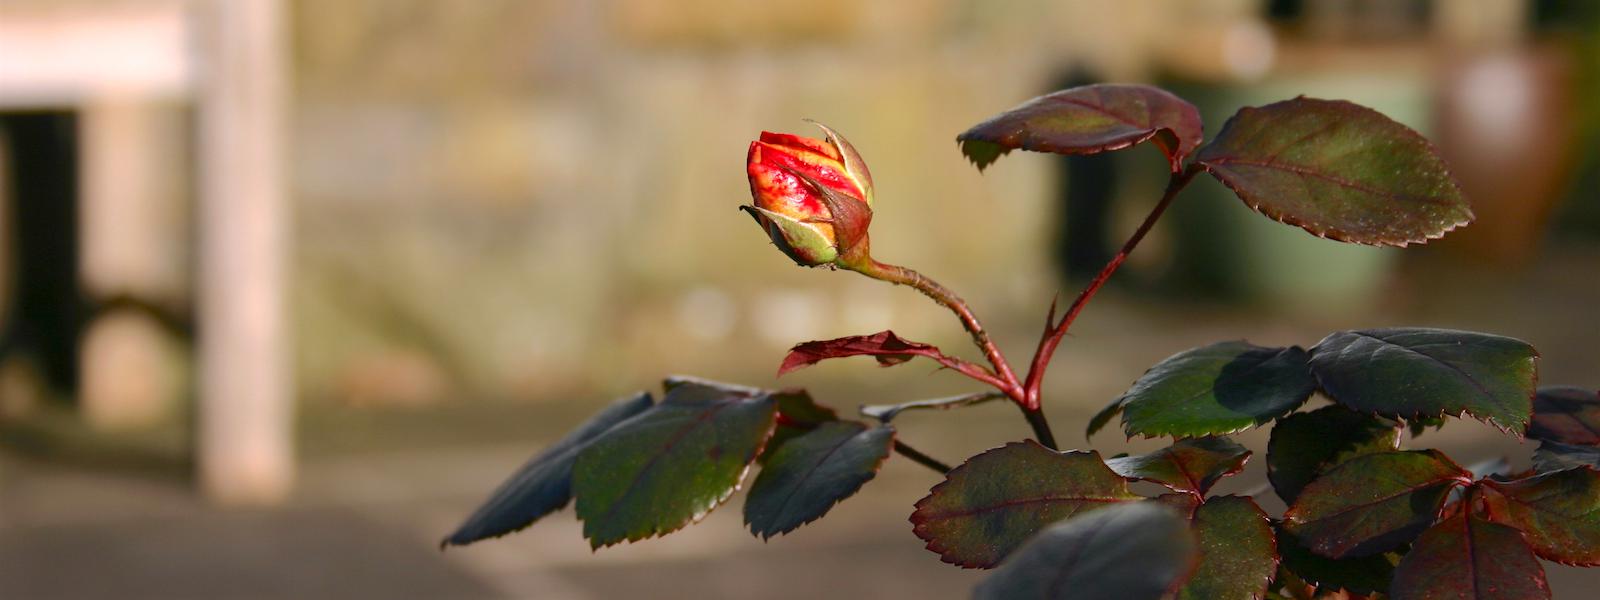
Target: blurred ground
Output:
[(83, 517)]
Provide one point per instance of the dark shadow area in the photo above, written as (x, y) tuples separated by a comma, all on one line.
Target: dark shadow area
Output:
[(45, 317)]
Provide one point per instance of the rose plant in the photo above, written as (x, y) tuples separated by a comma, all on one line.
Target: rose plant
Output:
[(1366, 518)]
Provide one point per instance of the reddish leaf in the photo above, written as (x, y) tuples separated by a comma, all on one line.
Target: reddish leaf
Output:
[(1566, 414), (888, 348), (1472, 559), (1238, 551), (989, 505), (1372, 503), (1089, 120), (1190, 465), (1558, 512), (1338, 170)]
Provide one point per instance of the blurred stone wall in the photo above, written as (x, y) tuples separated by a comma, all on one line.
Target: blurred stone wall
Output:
[(533, 198)]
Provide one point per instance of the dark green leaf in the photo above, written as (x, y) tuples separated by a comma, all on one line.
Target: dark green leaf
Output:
[(1100, 419), (1133, 551), (1217, 389), (671, 464), (1472, 559), (797, 411), (811, 473), (544, 484), (1338, 170), (1303, 445), (1360, 575), (988, 506), (1089, 120), (1238, 552), (1558, 512), (1420, 424), (673, 382), (1373, 503), (1570, 415), (1556, 456), (1190, 465), (1410, 373), (797, 414), (887, 412)]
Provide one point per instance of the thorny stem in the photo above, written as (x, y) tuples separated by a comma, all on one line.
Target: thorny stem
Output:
[(1002, 378), (918, 457), (1055, 331)]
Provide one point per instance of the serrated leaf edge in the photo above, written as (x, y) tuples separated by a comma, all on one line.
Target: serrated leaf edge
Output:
[(872, 473), (738, 484), (1292, 221), (934, 546)]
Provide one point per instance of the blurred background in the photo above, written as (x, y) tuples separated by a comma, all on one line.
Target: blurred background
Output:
[(288, 286)]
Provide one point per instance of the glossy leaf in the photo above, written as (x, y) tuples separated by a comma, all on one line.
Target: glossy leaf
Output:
[(1089, 120), (1338, 170), (1469, 558), (797, 414), (1556, 456), (1303, 445), (1132, 551), (1183, 503), (1238, 551), (1570, 415), (1217, 389), (1359, 575), (991, 504), (669, 465), (543, 484), (811, 473), (1558, 512), (797, 411), (1190, 465), (888, 348), (1373, 503), (1408, 372)]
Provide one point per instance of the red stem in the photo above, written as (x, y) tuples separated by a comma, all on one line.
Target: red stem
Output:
[(1054, 332), (1002, 378)]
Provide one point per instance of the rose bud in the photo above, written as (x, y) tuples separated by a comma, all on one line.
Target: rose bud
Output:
[(813, 197)]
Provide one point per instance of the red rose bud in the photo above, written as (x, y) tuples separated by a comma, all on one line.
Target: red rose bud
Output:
[(813, 197)]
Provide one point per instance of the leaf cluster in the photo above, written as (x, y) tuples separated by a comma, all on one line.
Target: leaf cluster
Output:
[(1365, 518)]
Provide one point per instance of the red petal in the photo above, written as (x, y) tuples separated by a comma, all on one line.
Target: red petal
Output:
[(795, 142)]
